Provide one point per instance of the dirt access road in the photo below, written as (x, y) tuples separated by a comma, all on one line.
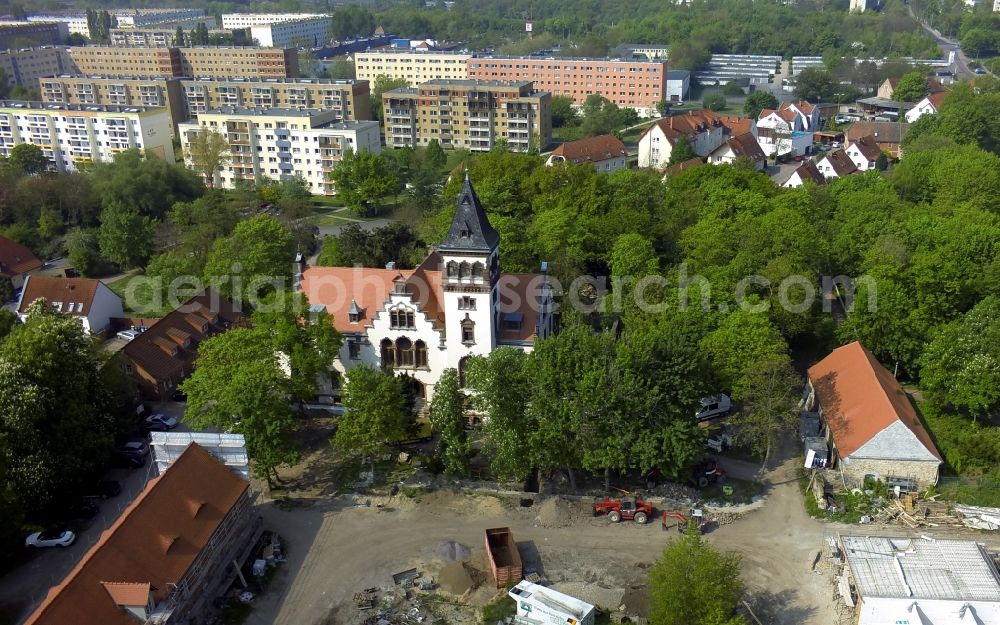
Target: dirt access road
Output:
[(336, 549)]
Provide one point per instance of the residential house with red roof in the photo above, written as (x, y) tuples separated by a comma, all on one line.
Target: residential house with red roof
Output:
[(89, 300), (864, 152), (872, 426), (167, 556), (928, 106), (783, 131), (703, 129), (16, 261), (606, 153), (163, 354), (807, 113), (683, 166), (742, 146), (456, 304), (836, 164), (806, 172)]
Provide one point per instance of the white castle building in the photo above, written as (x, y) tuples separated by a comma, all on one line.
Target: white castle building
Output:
[(456, 304)]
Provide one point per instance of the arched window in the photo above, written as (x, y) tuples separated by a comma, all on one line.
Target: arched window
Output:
[(463, 368), (388, 353), (452, 269), (420, 354), (463, 270), (404, 352), (477, 271)]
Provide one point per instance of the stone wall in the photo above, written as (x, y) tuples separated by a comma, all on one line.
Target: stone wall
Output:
[(926, 473)]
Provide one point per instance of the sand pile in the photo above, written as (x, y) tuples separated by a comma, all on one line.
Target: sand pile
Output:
[(459, 578), (487, 506), (554, 512), (450, 551)]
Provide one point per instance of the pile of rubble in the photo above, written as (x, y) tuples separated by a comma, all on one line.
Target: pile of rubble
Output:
[(913, 512), (398, 604), (724, 518)]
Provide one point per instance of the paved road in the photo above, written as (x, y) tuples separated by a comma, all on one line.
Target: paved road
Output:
[(947, 46)]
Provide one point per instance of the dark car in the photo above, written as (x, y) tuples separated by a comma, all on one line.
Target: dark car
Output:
[(81, 510), (132, 454), (179, 395), (104, 489)]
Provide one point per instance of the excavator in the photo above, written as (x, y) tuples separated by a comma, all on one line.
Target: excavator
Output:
[(697, 516)]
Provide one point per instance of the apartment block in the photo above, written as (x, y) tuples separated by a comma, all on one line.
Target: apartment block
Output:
[(281, 144), (469, 114), (310, 33), (149, 91), (633, 84), (231, 21), (69, 134), (25, 66), (143, 37), (19, 34), (349, 99), (414, 67), (126, 18), (221, 61)]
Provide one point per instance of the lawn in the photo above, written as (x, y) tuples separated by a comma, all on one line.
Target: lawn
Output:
[(138, 296)]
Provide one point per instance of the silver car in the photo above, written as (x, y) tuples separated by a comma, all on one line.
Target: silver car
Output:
[(50, 538)]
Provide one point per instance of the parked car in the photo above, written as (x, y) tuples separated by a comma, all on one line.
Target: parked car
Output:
[(127, 335), (980, 70), (50, 538), (80, 509), (104, 489), (179, 395), (159, 423), (133, 453), (714, 407)]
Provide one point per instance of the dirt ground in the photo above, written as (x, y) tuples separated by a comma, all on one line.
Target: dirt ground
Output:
[(336, 549)]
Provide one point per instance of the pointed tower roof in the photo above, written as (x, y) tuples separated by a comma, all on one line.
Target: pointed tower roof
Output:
[(470, 229)]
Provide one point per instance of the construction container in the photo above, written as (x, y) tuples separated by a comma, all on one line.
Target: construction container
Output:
[(504, 558)]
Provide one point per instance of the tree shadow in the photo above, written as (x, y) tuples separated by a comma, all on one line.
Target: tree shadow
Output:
[(531, 560), (776, 608)]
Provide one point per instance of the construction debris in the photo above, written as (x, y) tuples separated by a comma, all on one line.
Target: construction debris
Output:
[(912, 512)]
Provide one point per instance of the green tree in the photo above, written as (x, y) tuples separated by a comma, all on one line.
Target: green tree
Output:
[(714, 102), (435, 156), (447, 415), (742, 340), (6, 295), (769, 405), (502, 389), (209, 152), (56, 422), (342, 69), (695, 584), (150, 185), (238, 385), (179, 37), (83, 250), (757, 102), (362, 179), (382, 84), (682, 151), (911, 88), (961, 366), (256, 259), (50, 223), (376, 412), (815, 84), (563, 113), (125, 237), (633, 255), (28, 158)]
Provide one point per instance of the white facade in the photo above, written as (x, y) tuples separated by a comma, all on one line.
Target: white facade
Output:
[(921, 108), (415, 68), (678, 84), (310, 32), (90, 301), (232, 21), (455, 305), (704, 130), (283, 143), (75, 24), (72, 133), (126, 18), (545, 606)]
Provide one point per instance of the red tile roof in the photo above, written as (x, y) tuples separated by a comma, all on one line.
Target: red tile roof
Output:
[(689, 125), (868, 147), (125, 594), (161, 351), (808, 172), (860, 398), (688, 164), (786, 114), (737, 125), (746, 146), (937, 98), (592, 149), (840, 162), (16, 259), (74, 295), (154, 541)]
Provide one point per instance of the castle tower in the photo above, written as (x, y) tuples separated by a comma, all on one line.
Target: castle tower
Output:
[(470, 274)]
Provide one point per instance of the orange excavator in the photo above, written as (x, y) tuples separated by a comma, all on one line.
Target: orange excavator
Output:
[(697, 516)]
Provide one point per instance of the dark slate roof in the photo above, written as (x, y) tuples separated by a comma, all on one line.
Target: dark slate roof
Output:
[(470, 229)]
